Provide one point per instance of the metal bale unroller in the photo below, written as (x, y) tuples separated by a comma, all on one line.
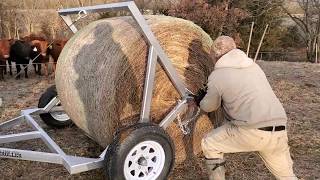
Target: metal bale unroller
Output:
[(126, 82)]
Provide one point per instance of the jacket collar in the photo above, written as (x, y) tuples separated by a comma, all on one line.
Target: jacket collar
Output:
[(234, 59)]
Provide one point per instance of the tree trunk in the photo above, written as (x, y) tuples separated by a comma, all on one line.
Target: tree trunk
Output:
[(311, 49), (17, 32), (227, 4), (1, 28), (9, 32), (30, 28), (53, 33)]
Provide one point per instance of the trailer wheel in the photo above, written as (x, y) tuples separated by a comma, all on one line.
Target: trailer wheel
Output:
[(143, 152), (53, 119)]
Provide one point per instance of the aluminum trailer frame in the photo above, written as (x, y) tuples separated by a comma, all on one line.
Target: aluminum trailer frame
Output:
[(76, 164), (72, 163)]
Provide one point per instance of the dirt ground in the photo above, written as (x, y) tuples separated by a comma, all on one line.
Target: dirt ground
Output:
[(296, 84)]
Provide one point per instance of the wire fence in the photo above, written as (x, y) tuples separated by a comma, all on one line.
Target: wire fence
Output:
[(298, 56), (29, 64), (31, 69), (282, 56)]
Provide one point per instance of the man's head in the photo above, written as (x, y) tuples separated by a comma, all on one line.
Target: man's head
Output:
[(221, 46)]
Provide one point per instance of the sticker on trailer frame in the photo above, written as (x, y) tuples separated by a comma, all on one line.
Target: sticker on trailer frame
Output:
[(13, 154)]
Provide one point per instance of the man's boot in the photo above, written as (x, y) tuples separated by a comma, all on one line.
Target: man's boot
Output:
[(215, 168)]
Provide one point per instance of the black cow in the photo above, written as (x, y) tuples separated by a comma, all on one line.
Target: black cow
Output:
[(19, 53)]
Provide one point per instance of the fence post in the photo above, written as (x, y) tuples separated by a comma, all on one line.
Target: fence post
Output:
[(250, 37), (260, 44)]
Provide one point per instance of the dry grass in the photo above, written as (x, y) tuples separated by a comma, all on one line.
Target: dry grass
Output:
[(296, 84)]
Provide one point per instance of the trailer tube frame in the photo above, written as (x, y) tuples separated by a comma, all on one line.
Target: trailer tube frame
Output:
[(76, 164)]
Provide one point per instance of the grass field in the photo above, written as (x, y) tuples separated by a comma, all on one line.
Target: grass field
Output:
[(296, 84)]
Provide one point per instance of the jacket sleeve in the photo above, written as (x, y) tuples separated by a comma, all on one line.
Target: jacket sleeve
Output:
[(212, 100)]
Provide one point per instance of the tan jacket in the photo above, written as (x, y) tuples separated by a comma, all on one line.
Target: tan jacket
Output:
[(244, 91)]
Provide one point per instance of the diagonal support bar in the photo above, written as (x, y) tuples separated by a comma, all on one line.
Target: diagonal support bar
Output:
[(173, 114), (164, 60), (148, 85), (54, 102), (44, 136), (69, 23), (12, 122)]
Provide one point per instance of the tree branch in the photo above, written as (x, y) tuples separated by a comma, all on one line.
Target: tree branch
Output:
[(297, 20)]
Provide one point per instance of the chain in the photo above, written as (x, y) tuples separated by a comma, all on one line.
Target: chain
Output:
[(189, 117)]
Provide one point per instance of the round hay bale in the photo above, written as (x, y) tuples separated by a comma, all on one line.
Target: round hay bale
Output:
[(100, 76)]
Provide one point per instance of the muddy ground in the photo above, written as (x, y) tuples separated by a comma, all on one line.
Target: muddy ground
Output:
[(296, 84)]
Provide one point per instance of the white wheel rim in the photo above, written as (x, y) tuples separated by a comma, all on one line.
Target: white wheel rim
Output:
[(144, 161), (60, 116)]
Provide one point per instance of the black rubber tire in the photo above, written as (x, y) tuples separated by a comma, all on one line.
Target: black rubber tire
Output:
[(47, 118), (128, 139)]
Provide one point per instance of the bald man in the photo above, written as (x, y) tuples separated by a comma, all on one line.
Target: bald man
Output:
[(256, 120)]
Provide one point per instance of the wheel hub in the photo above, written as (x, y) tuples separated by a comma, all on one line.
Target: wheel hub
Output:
[(144, 161)]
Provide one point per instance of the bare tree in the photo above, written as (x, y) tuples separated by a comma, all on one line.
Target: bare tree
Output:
[(15, 27), (1, 27), (309, 24), (9, 31), (30, 16), (213, 17)]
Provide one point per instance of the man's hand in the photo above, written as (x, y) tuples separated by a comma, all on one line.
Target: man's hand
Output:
[(200, 95)]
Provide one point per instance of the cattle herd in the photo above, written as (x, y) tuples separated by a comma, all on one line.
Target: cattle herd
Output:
[(30, 48)]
